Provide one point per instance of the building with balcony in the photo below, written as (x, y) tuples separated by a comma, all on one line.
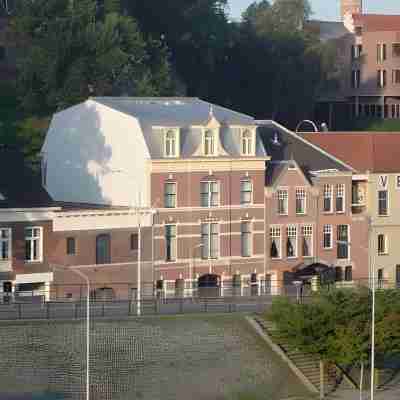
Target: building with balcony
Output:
[(375, 193)]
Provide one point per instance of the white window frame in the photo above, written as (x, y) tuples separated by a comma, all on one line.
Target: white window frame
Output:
[(387, 203), (250, 236), (289, 230), (176, 142), (8, 240), (285, 196), (273, 234), (328, 189), (382, 82), (243, 191), (381, 55), (385, 244), (209, 183), (341, 193), (348, 241), (301, 194), (176, 194), (213, 143), (327, 230), (247, 144), (307, 231), (208, 256), (32, 239), (175, 244)]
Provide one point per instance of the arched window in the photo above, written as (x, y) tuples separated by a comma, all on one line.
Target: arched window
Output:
[(170, 144), (247, 143), (209, 145), (103, 250)]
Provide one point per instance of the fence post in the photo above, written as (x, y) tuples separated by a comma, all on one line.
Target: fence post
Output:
[(48, 310), (76, 310), (155, 306), (181, 305), (19, 311), (103, 309), (129, 307), (205, 304)]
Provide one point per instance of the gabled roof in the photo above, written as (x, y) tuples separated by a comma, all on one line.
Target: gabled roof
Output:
[(277, 169), (19, 186), (173, 111), (377, 22), (284, 145), (365, 151)]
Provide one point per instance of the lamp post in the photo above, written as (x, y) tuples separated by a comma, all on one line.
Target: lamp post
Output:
[(309, 122), (86, 279)]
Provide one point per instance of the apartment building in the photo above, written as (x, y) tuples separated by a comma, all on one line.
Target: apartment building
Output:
[(201, 167), (375, 192), (367, 65), (309, 216)]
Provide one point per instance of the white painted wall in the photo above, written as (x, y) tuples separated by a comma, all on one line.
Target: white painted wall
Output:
[(96, 155)]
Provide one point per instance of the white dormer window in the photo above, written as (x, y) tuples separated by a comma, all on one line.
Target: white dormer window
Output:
[(209, 143), (2, 197), (171, 143), (247, 143)]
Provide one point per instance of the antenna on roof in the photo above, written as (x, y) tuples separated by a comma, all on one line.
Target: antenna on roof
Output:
[(275, 139)]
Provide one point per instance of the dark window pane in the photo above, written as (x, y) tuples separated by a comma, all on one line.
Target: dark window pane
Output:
[(134, 241), (70, 245), (338, 274), (348, 273), (103, 251)]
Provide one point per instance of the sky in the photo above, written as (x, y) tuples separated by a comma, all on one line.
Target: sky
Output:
[(327, 9)]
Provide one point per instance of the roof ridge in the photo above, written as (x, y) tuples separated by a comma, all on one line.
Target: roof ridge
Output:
[(228, 109)]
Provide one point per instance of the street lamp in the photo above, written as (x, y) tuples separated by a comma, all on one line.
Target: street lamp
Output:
[(86, 279), (309, 122)]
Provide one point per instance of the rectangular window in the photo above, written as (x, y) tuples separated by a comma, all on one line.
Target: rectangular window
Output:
[(328, 237), (338, 274), (170, 195), (246, 192), (382, 244), (209, 194), (348, 273), (103, 249), (170, 143), (355, 78), (356, 51), (307, 240), (170, 242), (5, 244), (340, 192), (247, 143), (276, 242), (209, 143), (396, 77), (291, 245), (397, 276), (382, 202), (343, 242), (358, 31), (33, 244), (301, 199), (381, 78), (71, 248), (328, 198), (380, 52), (134, 241), (396, 50), (283, 199), (246, 239), (210, 241)]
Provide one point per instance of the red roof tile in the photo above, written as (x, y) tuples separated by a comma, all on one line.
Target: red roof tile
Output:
[(377, 22), (364, 151)]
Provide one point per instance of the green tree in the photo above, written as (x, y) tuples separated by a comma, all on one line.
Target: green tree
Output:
[(76, 51)]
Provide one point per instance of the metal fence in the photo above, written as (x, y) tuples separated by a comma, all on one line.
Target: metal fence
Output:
[(125, 308)]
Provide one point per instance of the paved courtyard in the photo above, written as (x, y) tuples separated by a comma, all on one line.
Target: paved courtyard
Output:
[(170, 358)]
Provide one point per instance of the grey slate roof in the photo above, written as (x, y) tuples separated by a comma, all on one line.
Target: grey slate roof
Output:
[(173, 111), (284, 145), (187, 113)]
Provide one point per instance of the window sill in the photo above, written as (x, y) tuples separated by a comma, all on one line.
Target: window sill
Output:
[(170, 261), (327, 248), (276, 259), (327, 212), (300, 214), (33, 261), (340, 212), (308, 256), (383, 254), (292, 258), (384, 216), (283, 215)]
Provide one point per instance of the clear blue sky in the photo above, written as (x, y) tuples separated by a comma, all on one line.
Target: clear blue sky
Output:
[(327, 9)]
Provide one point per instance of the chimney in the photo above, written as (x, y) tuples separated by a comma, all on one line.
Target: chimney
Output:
[(351, 7)]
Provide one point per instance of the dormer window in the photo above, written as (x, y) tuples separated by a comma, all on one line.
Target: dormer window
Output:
[(171, 143), (209, 143), (247, 143), (2, 197)]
